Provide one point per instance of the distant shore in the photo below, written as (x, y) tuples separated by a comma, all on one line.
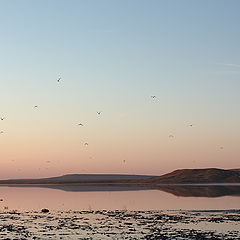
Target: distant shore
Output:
[(207, 176), (183, 190)]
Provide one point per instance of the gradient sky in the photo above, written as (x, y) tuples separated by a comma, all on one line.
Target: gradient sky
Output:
[(112, 56)]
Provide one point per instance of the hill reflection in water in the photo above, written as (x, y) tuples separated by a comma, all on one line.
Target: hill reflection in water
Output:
[(209, 191)]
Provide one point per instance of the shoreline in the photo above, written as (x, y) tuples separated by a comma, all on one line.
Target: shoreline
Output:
[(121, 224)]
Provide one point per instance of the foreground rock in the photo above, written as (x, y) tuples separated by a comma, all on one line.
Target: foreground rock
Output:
[(44, 210)]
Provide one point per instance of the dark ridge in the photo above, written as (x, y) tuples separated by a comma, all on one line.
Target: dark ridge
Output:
[(196, 176), (79, 178)]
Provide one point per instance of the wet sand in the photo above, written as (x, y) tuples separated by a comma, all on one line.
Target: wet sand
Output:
[(120, 224)]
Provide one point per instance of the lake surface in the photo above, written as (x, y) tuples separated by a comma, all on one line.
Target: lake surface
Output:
[(57, 197)]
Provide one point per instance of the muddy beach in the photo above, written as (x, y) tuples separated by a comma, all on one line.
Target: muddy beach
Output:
[(120, 224)]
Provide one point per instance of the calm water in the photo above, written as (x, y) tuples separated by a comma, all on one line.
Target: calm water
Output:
[(85, 198)]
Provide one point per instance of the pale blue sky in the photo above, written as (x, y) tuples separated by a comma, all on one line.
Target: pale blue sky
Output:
[(112, 56)]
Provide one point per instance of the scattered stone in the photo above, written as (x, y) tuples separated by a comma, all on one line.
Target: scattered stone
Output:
[(119, 225), (44, 210)]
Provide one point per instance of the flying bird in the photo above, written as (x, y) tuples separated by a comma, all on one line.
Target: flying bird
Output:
[(35, 106), (58, 80), (153, 96), (80, 124), (2, 118), (1, 132), (86, 144), (99, 113)]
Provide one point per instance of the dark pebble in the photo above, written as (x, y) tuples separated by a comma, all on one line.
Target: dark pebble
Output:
[(44, 210)]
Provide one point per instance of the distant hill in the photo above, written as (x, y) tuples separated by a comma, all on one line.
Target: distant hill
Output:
[(196, 176), (80, 178), (182, 176), (98, 177)]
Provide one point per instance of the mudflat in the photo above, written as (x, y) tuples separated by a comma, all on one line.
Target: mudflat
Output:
[(120, 224)]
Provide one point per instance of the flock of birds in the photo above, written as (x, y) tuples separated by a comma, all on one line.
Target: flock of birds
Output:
[(59, 79), (79, 124)]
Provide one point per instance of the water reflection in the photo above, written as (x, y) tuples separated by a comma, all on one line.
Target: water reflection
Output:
[(209, 191), (65, 197), (86, 187)]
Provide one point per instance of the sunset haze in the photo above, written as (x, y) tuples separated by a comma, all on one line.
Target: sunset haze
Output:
[(113, 57)]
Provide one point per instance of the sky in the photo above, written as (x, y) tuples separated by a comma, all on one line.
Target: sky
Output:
[(112, 56)]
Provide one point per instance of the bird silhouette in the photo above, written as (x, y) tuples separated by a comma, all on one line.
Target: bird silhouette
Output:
[(2, 118), (58, 80), (36, 106), (80, 124), (86, 144), (99, 113), (153, 96), (1, 132)]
